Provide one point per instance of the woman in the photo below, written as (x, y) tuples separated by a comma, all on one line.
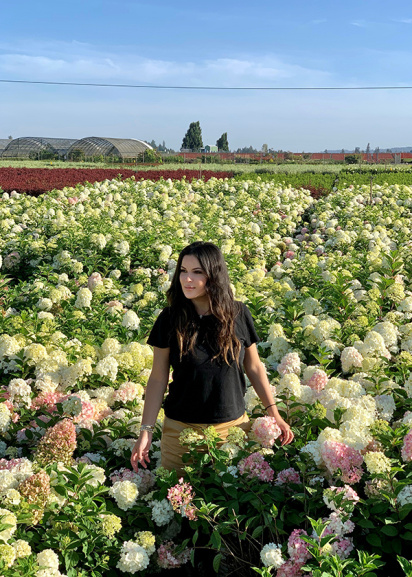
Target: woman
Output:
[(206, 336)]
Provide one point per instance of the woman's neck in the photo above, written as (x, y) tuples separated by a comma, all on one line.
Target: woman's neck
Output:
[(202, 306)]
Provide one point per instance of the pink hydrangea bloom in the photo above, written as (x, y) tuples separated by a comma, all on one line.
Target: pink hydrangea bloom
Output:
[(337, 455), (288, 476), (58, 444), (407, 447), (318, 381), (14, 465), (94, 280), (343, 547), (181, 497), (297, 547), (291, 569), (266, 431), (169, 559), (88, 412), (290, 363), (255, 466), (349, 493), (48, 401)]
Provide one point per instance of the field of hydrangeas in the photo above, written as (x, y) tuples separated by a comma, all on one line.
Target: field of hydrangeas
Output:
[(329, 284)]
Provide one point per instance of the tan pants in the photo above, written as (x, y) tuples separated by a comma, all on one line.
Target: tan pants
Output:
[(172, 451)]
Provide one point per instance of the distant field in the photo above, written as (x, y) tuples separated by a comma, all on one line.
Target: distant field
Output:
[(285, 168)]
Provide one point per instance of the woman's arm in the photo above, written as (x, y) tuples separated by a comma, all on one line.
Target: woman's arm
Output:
[(155, 390), (256, 373)]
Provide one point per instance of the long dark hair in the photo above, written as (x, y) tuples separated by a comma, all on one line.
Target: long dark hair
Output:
[(221, 303)]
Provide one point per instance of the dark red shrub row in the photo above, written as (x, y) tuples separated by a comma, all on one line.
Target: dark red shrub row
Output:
[(38, 180)]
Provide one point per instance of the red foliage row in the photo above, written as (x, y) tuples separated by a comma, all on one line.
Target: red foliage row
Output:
[(38, 180)]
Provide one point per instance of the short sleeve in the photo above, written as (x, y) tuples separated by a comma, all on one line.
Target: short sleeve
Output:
[(160, 333), (250, 334)]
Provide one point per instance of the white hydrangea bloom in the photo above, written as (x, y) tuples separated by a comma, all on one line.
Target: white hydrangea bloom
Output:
[(8, 518), (377, 462), (350, 358), (19, 392), (385, 405), (162, 512), (5, 417), (271, 556), (73, 406), (83, 298), (50, 563), (133, 558), (98, 475), (110, 346), (107, 367), (252, 399), (131, 320), (389, 332), (9, 346), (290, 383), (405, 496), (44, 304), (22, 548), (7, 480), (125, 493), (408, 386), (122, 248)]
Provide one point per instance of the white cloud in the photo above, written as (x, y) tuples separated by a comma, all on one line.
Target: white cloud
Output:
[(83, 63), (359, 23), (403, 20)]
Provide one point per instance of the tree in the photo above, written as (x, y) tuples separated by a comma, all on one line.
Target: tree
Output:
[(368, 149), (357, 150), (193, 137), (247, 150), (352, 158), (222, 143), (10, 137), (264, 148)]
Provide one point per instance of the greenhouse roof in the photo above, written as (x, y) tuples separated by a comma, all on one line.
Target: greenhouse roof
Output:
[(25, 146), (122, 147), (4, 142)]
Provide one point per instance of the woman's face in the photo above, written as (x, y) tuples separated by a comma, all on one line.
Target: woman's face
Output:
[(192, 277)]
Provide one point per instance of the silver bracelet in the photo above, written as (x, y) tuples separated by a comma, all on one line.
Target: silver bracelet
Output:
[(148, 428)]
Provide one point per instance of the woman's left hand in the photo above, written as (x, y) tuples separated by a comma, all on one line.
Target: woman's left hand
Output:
[(287, 434)]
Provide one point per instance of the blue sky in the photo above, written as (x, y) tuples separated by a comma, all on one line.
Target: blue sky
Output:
[(226, 43)]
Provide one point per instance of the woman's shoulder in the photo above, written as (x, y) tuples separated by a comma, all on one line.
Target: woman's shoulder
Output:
[(241, 307), (163, 315)]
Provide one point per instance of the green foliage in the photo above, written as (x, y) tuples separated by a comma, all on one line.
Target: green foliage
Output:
[(193, 137), (352, 158), (150, 156), (406, 565), (222, 143)]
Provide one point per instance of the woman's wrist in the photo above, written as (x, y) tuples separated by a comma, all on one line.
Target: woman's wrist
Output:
[(147, 428), (272, 411)]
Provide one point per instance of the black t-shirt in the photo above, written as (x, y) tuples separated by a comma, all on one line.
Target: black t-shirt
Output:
[(201, 390)]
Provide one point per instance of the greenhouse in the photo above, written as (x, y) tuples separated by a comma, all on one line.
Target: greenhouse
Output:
[(3, 143), (93, 146), (37, 148)]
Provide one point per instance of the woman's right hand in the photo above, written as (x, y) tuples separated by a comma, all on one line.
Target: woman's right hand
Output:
[(140, 453)]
